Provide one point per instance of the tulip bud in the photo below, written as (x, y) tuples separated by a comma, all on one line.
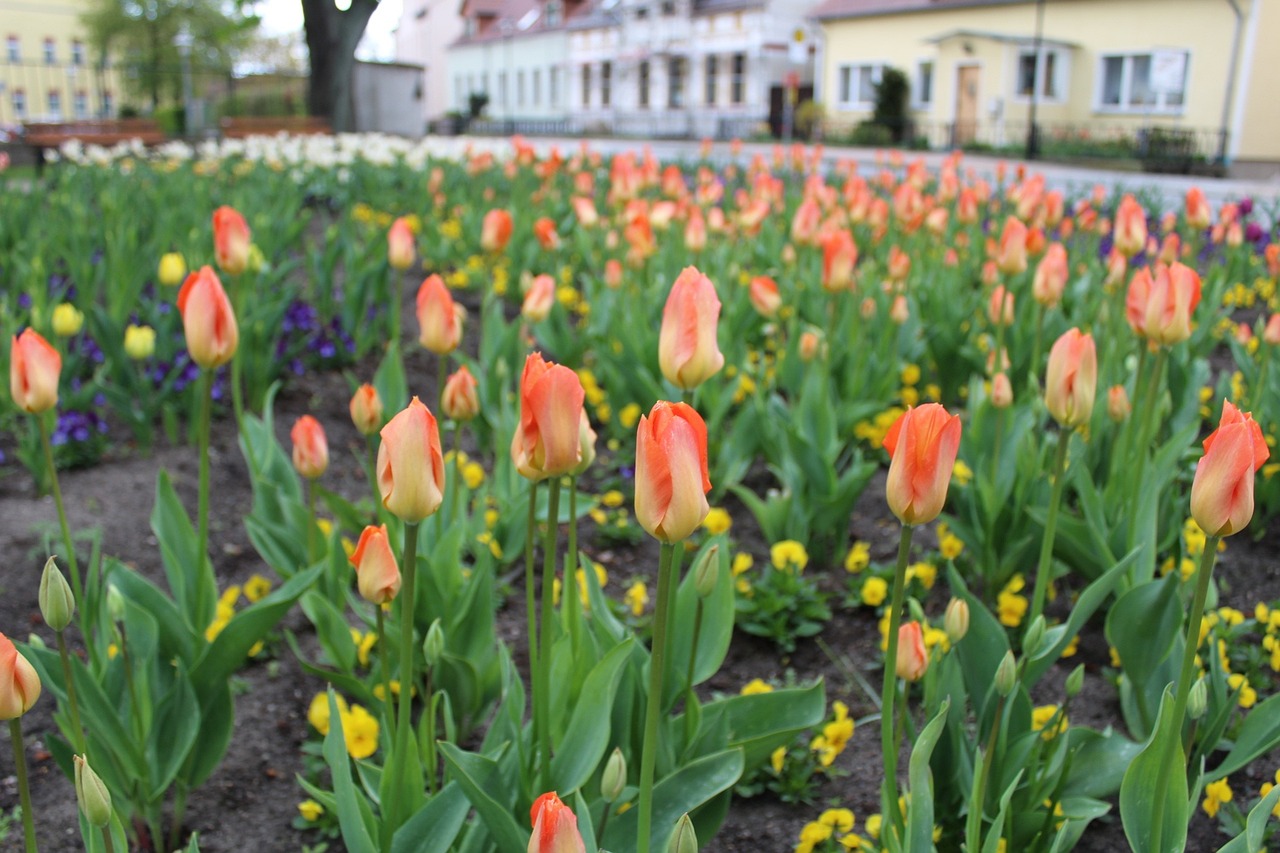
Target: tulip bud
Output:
[(1034, 637), (460, 401), (172, 270), (899, 312), (548, 440), (19, 683), (400, 248), (1075, 681), (706, 572), (1118, 407), (1130, 227), (139, 342), (377, 573), (671, 471), (256, 260), (230, 240), (868, 308), (1006, 674), (1012, 256), (764, 296), (115, 604), (433, 645), (1222, 490), (410, 464), (67, 320), (495, 231), (1271, 333), (366, 409), (34, 367), (1001, 391), (614, 777), (57, 603), (913, 658), (92, 794), (810, 345), (687, 350), (208, 319), (555, 827), (1198, 699), (1071, 380), (684, 840), (586, 446), (310, 447), (613, 274), (1000, 307), (956, 620), (539, 299), (439, 319), (922, 446)]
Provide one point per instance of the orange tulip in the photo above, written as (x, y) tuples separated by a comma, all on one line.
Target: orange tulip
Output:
[(899, 311), (804, 225), (1051, 276), (1135, 303), (495, 231), (539, 299), (1130, 234), (765, 298), (1222, 491), (19, 683), (366, 409), (671, 473), (1198, 213), (922, 445), (687, 350), (839, 255), (439, 319), (555, 827), (230, 240), (547, 441), (913, 658), (310, 447), (1173, 297), (811, 345), (400, 248), (208, 319), (1012, 255), (1271, 332), (1118, 407), (899, 264), (585, 209), (695, 232), (34, 367), (1000, 306), (410, 465), (460, 401), (613, 274), (1071, 381), (1001, 391), (544, 229), (377, 572)]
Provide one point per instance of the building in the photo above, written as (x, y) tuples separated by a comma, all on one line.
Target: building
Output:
[(423, 35), (47, 70), (1118, 70)]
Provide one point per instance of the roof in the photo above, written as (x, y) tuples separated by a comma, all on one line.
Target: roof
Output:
[(1000, 37), (835, 9), (609, 13), (517, 18)]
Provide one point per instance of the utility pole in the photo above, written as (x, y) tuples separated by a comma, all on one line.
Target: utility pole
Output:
[(1033, 132)]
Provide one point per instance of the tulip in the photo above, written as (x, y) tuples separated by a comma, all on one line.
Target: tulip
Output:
[(19, 683), (586, 445), (585, 209), (1130, 233), (310, 447), (1118, 408), (1000, 306), (544, 229), (547, 441), (139, 342), (34, 366), (913, 658), (230, 240), (1012, 255), (613, 274), (1135, 303), (1173, 297), (810, 345), (366, 409), (899, 311), (57, 601), (539, 299), (555, 827), (439, 319), (400, 248), (1170, 249), (899, 264), (410, 464), (377, 572), (1222, 491), (460, 401), (922, 445), (765, 298), (208, 319), (1271, 332), (839, 255), (495, 231), (67, 320), (671, 474), (91, 794), (1071, 381), (956, 620), (1001, 391), (172, 269), (687, 349), (1051, 276), (695, 232)]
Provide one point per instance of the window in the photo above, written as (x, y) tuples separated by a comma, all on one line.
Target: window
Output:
[(77, 52), (50, 54), (553, 86), (55, 104), (1143, 82), (11, 47), (537, 86), (675, 82), (586, 85), (1048, 74), (19, 103), (81, 104), (459, 89), (737, 82), (644, 85), (713, 63), (108, 104), (553, 13), (520, 88), (857, 85), (606, 83), (924, 84), (502, 88)]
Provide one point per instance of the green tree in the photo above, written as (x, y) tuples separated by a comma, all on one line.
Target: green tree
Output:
[(891, 103)]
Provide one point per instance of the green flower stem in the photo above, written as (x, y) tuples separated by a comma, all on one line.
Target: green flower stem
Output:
[(396, 296), (653, 706), (106, 839), (371, 466), (431, 734), (179, 811), (442, 376), (24, 791), (604, 821), (1145, 415), (1125, 445), (311, 522), (977, 805), (530, 603), (62, 512), (408, 574), (237, 358), (571, 559), (542, 687), (1045, 567), (202, 541), (1036, 346), (456, 486), (1256, 397), (77, 731), (888, 733), (690, 696), (384, 672), (1204, 572)]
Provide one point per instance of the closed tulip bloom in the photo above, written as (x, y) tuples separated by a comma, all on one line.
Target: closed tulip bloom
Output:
[(671, 473), (839, 255), (899, 264), (410, 465), (1118, 408), (585, 209), (495, 231), (1000, 306), (172, 269), (1130, 230), (400, 249), (366, 409), (230, 240), (586, 445), (899, 311), (555, 827), (1011, 257), (1135, 303), (460, 401), (765, 297), (34, 367), (1271, 332), (544, 229), (1174, 295), (1071, 382), (19, 684), (547, 442), (922, 446), (139, 342), (539, 299), (310, 447), (1001, 391), (377, 572), (913, 658), (687, 350), (1051, 276), (613, 273), (811, 346), (1222, 491), (439, 319), (208, 319), (695, 232)]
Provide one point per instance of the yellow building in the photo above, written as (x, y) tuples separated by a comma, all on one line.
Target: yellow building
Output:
[(48, 71), (1101, 69)]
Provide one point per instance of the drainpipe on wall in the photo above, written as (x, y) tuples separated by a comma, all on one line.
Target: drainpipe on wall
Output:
[(1231, 81), (1033, 133)]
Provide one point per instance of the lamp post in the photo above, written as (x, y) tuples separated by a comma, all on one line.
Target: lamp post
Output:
[(1033, 132), (184, 41)]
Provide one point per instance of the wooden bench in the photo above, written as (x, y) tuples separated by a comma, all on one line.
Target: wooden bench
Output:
[(42, 136), (239, 127)]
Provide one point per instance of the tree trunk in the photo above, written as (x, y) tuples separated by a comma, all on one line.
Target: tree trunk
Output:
[(332, 37)]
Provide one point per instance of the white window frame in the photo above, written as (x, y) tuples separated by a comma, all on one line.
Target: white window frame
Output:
[(54, 100), (854, 70), (916, 101), (20, 104), (80, 104), (1061, 74), (13, 49), (1125, 107)]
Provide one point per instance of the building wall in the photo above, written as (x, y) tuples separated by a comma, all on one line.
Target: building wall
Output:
[(535, 59), (1096, 28), (386, 98), (1256, 114), (423, 36)]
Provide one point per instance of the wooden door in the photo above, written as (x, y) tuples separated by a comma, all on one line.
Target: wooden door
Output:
[(966, 126)]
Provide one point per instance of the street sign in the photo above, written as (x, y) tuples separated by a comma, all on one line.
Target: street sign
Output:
[(798, 48)]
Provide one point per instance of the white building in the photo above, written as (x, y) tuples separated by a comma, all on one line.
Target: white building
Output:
[(423, 35)]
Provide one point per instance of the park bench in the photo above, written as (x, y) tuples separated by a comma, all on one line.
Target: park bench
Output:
[(41, 136), (239, 127)]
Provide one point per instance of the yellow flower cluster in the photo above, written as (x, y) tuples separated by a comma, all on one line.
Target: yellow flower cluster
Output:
[(595, 395), (832, 824), (756, 685), (717, 521), (359, 727), (637, 596), (874, 430), (835, 735), (1266, 789), (950, 545), (859, 557), (1042, 716), (1011, 604), (1215, 795), (789, 555)]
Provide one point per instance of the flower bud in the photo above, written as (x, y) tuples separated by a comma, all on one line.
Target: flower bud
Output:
[(1222, 490), (899, 311), (671, 474), (614, 778), (495, 230), (1034, 637), (92, 794), (139, 342), (366, 409), (433, 645), (1001, 391), (256, 260), (1075, 681), (555, 827), (115, 603), (810, 345), (230, 240), (922, 446), (19, 683), (310, 447), (410, 464), (34, 368), (707, 572), (956, 620), (400, 248), (684, 840), (539, 299), (586, 445), (1071, 379), (1197, 699), (208, 319), (68, 320), (1006, 674), (1118, 407), (172, 270), (1271, 333), (460, 402), (913, 658), (687, 350), (57, 603), (439, 319)]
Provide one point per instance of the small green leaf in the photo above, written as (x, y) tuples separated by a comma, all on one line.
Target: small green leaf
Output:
[(433, 827), (920, 809), (488, 789), (351, 817), (1161, 762)]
